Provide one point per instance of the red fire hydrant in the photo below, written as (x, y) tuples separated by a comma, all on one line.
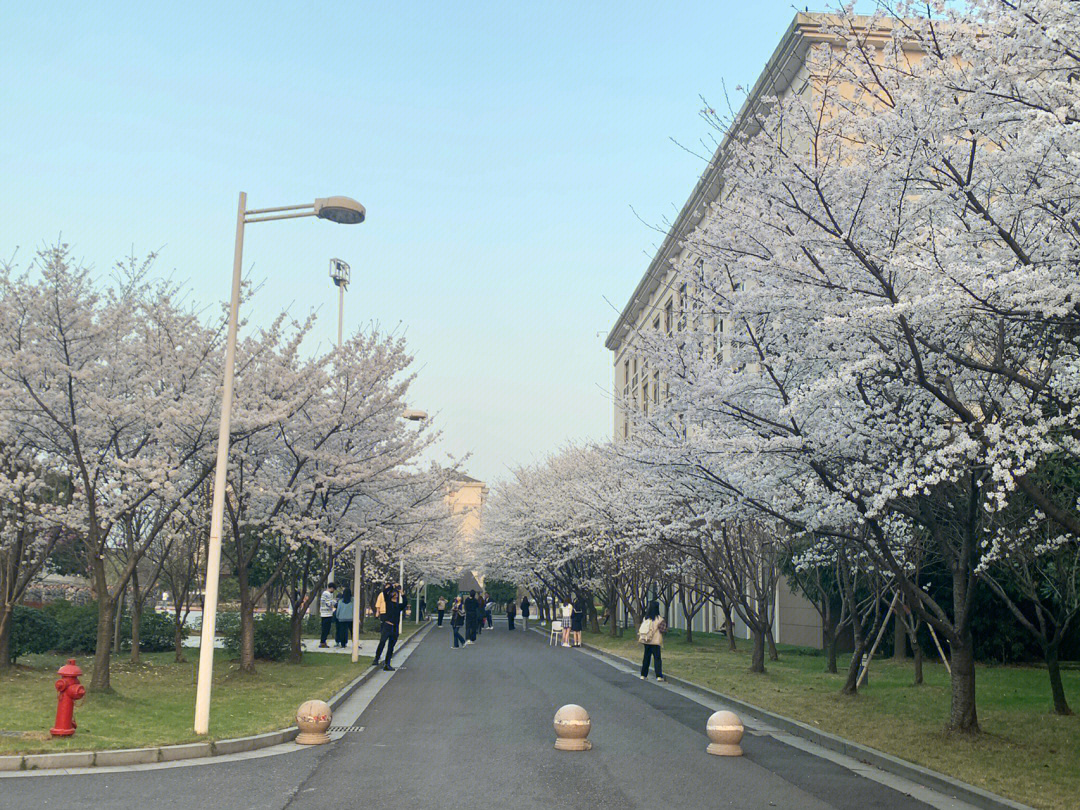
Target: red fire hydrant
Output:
[(68, 691)]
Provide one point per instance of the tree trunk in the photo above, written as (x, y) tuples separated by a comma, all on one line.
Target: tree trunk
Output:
[(247, 623), (899, 638), (851, 682), (729, 629), (178, 637), (757, 660), (917, 649), (7, 613), (136, 629), (594, 619), (296, 637), (1061, 706), (613, 612), (689, 631), (962, 714), (136, 616), (773, 655), (830, 638), (99, 680)]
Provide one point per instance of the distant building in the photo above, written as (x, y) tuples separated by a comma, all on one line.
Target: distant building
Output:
[(466, 499)]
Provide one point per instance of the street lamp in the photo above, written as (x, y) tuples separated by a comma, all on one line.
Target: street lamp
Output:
[(411, 415), (339, 272), (346, 211)]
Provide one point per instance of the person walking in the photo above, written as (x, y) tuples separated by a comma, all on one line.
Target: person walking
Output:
[(489, 610), (440, 607), (472, 617), (343, 615), (566, 611), (326, 613), (423, 608), (577, 617), (457, 618), (525, 612), (651, 635), (511, 614), (388, 625)]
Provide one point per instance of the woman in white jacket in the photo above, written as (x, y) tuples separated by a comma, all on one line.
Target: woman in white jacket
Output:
[(651, 635)]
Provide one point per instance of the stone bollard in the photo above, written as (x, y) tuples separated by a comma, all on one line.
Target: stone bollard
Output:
[(725, 731), (313, 719), (572, 726)]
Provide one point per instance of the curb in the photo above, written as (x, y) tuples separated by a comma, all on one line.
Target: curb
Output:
[(174, 753), (887, 762)]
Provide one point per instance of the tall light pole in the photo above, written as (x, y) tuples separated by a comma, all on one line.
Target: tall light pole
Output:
[(345, 211)]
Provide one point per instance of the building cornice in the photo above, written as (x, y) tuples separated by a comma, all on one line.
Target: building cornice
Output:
[(805, 29)]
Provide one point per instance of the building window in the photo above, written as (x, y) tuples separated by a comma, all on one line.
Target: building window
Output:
[(656, 324), (656, 388), (645, 397), (668, 316)]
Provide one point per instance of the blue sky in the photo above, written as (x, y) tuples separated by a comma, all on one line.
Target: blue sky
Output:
[(498, 149)]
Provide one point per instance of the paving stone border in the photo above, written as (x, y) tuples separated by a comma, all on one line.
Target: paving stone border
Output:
[(886, 762), (175, 753)]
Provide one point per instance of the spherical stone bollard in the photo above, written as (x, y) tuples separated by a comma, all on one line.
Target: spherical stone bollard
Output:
[(725, 731), (572, 726), (313, 719)]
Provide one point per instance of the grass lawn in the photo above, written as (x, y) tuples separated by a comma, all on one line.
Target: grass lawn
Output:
[(1025, 752), (153, 703)]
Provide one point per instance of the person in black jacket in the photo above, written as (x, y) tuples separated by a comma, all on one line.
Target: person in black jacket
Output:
[(472, 617), (511, 614), (457, 618), (388, 625), (525, 612)]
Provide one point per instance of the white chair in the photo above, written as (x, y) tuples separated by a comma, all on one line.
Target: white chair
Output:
[(556, 632)]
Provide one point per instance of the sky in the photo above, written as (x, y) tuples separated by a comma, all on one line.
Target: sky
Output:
[(515, 160)]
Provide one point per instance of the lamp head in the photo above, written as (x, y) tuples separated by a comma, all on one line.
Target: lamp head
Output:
[(343, 210), (414, 415)]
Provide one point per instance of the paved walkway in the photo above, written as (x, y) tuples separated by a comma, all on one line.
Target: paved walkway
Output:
[(472, 728)]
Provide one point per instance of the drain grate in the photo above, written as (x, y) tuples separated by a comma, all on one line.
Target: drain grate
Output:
[(345, 729)]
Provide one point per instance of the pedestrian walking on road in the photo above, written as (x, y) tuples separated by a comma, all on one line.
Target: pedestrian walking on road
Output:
[(566, 611), (489, 609), (577, 616), (343, 615), (457, 618), (423, 608), (326, 613), (440, 606), (525, 612), (472, 617), (388, 625), (511, 614), (651, 635)]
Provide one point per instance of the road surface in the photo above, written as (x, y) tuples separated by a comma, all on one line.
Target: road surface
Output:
[(472, 728)]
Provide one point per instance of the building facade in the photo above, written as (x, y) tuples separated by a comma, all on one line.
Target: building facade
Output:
[(657, 302)]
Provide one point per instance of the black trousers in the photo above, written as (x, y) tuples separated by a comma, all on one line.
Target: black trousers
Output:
[(470, 628), (343, 632), (458, 640), (327, 623), (441, 612), (652, 651), (510, 621), (388, 636)]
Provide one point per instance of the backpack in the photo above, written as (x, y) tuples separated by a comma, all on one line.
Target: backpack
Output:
[(643, 632), (661, 625)]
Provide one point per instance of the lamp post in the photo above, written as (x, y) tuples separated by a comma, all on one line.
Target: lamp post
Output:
[(342, 210)]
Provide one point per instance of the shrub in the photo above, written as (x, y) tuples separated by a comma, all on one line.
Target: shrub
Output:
[(77, 626), (155, 631), (32, 631), (272, 637)]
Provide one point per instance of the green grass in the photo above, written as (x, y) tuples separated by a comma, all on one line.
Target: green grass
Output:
[(153, 703), (1024, 752)]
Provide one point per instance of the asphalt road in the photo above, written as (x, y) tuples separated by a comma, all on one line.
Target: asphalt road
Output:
[(472, 728)]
